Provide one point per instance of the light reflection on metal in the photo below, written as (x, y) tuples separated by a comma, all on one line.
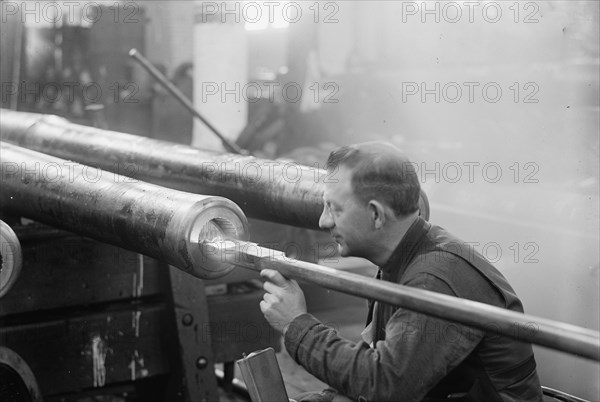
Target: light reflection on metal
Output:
[(149, 219), (11, 258), (275, 190)]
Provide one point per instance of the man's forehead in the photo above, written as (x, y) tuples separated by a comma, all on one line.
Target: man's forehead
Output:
[(338, 183), (340, 174)]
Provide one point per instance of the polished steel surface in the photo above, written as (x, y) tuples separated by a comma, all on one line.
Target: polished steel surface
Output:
[(281, 191), (149, 219), (13, 364), (11, 257)]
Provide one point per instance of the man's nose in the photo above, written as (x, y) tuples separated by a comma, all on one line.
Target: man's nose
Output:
[(325, 221)]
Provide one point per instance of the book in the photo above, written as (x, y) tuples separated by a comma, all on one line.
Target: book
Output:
[(262, 376)]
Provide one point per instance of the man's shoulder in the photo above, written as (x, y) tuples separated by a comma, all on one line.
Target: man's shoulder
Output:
[(439, 263), (444, 257), (439, 238), (441, 251), (463, 279)]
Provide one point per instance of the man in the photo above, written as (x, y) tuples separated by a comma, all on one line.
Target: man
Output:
[(371, 210)]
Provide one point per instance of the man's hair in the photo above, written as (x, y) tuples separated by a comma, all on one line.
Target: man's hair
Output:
[(382, 172)]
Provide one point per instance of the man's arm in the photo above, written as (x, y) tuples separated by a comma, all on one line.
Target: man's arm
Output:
[(417, 353)]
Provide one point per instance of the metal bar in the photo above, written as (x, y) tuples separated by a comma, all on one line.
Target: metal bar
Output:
[(561, 396), (137, 56), (17, 56), (279, 191), (152, 220), (541, 331)]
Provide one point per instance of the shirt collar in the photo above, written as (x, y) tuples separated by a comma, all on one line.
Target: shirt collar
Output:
[(406, 250)]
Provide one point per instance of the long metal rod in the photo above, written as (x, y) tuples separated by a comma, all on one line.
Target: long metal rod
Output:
[(274, 190), (17, 55), (137, 56), (541, 331)]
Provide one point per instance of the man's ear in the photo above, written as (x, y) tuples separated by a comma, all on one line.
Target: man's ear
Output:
[(377, 213)]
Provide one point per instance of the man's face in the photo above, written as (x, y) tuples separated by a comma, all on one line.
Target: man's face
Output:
[(345, 216)]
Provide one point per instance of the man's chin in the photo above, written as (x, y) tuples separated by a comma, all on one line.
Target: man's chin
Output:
[(342, 248)]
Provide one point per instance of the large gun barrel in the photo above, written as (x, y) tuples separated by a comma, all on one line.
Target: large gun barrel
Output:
[(278, 191), (159, 222)]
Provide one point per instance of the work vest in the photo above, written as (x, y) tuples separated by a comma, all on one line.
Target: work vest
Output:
[(469, 378)]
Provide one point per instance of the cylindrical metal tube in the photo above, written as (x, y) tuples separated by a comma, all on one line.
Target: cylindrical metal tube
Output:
[(279, 191), (152, 220), (19, 382), (541, 331), (11, 258)]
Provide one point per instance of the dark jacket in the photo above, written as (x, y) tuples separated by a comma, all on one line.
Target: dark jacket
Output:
[(418, 357)]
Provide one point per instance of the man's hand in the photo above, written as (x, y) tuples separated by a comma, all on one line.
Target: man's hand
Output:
[(283, 300)]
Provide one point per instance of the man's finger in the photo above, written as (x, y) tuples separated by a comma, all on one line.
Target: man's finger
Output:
[(263, 306), (269, 298), (274, 276), (272, 288)]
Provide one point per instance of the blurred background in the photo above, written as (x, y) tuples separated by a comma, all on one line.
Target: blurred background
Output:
[(497, 104)]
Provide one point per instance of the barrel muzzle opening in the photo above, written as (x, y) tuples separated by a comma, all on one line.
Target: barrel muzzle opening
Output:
[(224, 222), (11, 258)]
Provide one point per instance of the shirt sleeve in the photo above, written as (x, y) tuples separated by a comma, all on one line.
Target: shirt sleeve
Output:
[(417, 353)]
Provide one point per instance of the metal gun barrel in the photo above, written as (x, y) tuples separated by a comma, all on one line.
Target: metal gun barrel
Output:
[(159, 222), (273, 190), (11, 258)]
